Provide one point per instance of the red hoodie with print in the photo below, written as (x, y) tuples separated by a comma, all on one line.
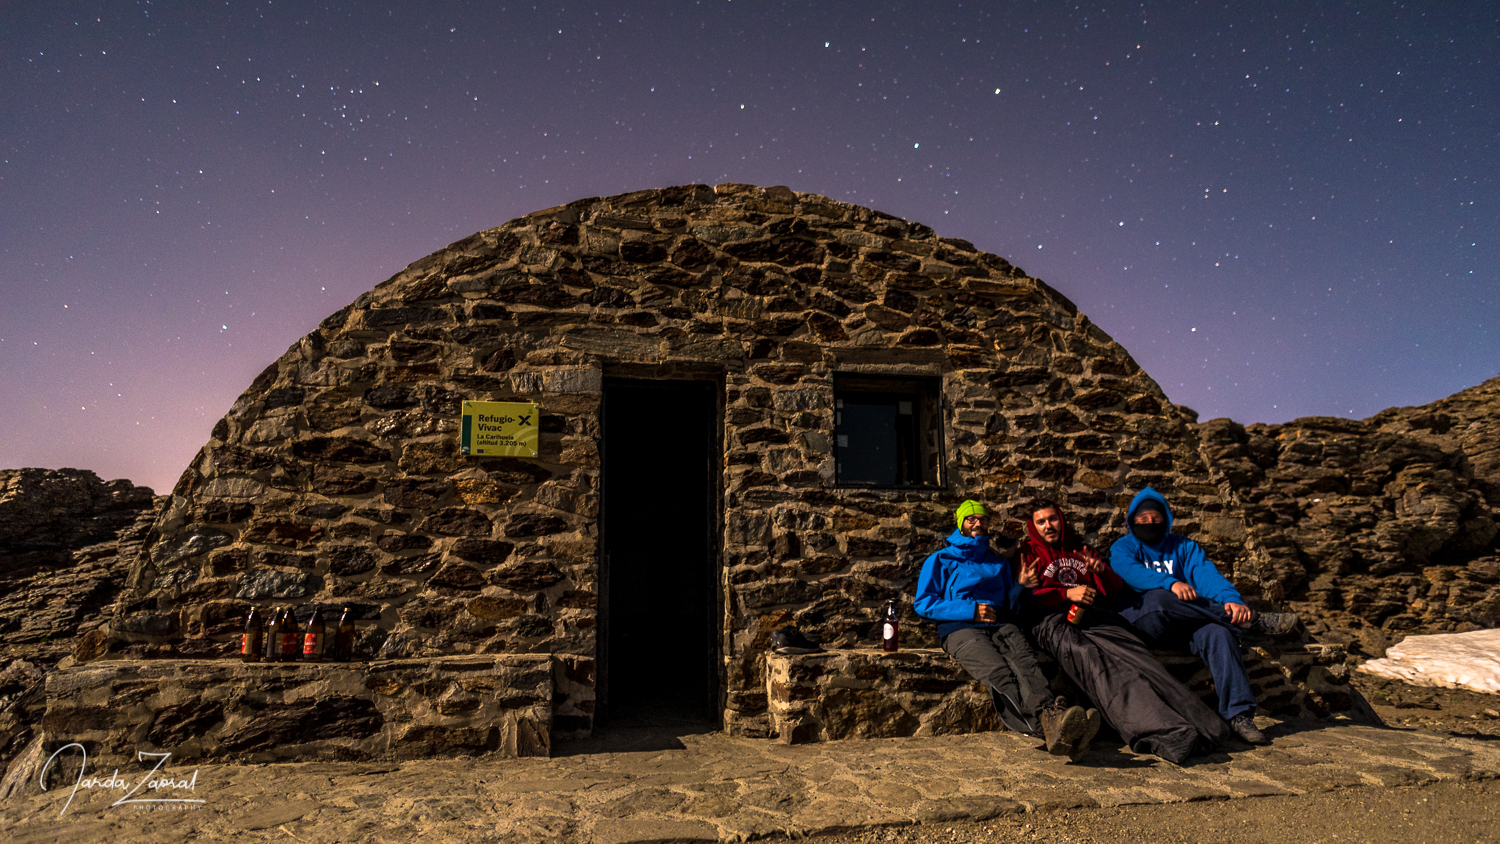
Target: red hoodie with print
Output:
[(1062, 567)]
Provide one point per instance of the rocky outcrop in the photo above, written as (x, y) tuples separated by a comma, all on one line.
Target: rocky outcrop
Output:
[(42, 613), (1374, 529), (67, 540), (48, 514)]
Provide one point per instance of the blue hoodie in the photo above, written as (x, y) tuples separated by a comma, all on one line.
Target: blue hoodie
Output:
[(1176, 558), (956, 579)]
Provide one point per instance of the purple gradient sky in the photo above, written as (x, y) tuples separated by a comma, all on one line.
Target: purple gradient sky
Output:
[(1280, 208)]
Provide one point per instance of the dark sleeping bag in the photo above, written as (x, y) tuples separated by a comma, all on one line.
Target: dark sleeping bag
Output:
[(1146, 705)]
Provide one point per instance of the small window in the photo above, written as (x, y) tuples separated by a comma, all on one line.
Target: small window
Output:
[(888, 431)]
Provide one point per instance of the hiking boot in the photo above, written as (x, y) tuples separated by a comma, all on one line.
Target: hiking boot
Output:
[(1062, 727), (790, 640), (1273, 623), (1244, 727), (1091, 729)]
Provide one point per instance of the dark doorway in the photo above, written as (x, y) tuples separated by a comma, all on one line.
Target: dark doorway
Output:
[(658, 523)]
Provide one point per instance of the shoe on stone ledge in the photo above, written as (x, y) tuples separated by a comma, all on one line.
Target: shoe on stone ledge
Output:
[(1062, 727), (790, 640), (1244, 727), (1274, 623)]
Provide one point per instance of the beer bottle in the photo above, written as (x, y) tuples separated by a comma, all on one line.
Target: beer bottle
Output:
[(252, 644), (343, 640), (312, 641), (291, 638), (892, 627), (273, 636)]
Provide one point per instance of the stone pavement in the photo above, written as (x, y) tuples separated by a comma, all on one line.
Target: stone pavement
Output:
[(654, 786)]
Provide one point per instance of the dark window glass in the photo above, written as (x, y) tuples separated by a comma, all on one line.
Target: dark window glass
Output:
[(888, 432)]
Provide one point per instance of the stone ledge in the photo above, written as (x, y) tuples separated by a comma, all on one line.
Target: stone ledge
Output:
[(868, 693), (274, 712), (842, 694)]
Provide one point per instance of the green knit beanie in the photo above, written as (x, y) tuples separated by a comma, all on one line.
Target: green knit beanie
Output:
[(967, 509)]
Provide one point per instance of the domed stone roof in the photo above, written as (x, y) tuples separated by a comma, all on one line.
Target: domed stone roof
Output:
[(336, 478)]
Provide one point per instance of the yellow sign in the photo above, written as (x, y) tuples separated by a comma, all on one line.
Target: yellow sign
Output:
[(500, 429)]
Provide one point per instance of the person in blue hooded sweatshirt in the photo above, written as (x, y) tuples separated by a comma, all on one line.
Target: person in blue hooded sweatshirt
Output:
[(1186, 604), (969, 591)]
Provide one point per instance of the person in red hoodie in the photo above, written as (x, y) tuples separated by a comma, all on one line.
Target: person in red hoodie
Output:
[(1070, 618), (1071, 572)]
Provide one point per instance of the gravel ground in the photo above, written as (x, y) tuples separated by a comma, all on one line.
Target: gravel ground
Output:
[(1317, 783), (1443, 712), (1441, 813)]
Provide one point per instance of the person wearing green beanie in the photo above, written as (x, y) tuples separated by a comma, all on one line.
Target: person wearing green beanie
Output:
[(967, 509), (969, 591)]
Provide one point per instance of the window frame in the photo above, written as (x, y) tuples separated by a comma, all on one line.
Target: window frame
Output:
[(928, 432)]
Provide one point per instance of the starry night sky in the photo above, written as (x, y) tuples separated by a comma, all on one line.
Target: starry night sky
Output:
[(1280, 208)]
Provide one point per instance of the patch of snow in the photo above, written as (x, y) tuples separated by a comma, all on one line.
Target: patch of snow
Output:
[(1453, 660)]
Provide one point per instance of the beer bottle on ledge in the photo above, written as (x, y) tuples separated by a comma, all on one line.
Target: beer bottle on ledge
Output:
[(291, 638), (343, 640), (273, 636), (253, 642), (312, 641), (892, 627)]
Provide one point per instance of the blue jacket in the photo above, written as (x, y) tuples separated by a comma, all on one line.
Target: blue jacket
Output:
[(1175, 558), (958, 578)]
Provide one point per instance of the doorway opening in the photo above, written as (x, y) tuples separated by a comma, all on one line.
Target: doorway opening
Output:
[(659, 517)]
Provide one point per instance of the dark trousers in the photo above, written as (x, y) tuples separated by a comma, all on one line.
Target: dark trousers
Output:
[(1002, 659), (1202, 628)]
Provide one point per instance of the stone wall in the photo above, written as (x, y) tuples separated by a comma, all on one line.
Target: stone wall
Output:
[(336, 477), (922, 692), (267, 712), (873, 694)]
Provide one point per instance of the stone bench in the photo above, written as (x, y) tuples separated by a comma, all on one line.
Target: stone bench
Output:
[(273, 712), (868, 693)]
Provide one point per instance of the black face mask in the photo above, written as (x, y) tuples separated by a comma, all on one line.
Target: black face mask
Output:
[(1149, 533)]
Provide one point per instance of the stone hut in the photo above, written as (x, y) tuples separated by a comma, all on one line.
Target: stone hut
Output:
[(757, 408)]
